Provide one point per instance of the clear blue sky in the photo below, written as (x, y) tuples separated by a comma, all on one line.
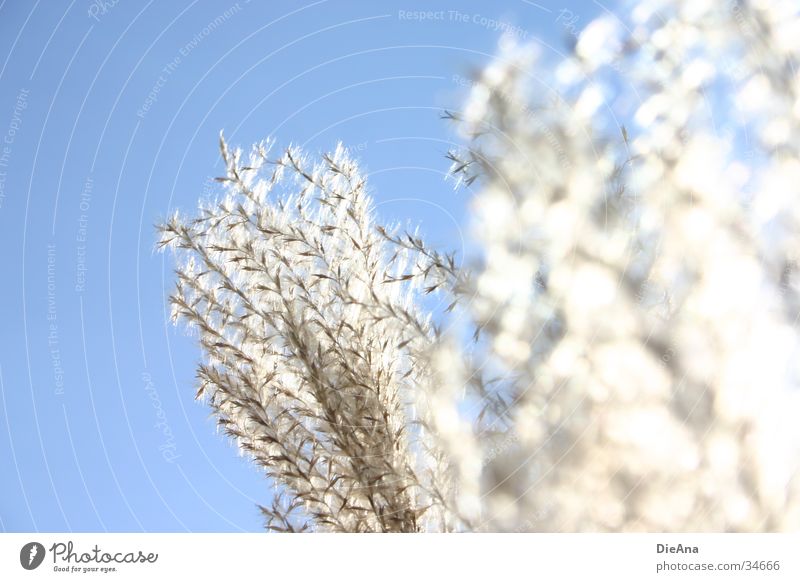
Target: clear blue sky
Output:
[(99, 429)]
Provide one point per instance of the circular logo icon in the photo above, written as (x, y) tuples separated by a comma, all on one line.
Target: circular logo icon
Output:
[(31, 555)]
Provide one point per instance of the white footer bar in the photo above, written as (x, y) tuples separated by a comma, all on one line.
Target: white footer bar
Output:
[(442, 557)]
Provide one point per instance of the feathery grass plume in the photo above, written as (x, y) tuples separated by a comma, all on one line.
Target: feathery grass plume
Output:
[(634, 300), (307, 314)]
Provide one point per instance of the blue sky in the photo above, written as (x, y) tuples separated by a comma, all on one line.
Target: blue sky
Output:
[(109, 117)]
